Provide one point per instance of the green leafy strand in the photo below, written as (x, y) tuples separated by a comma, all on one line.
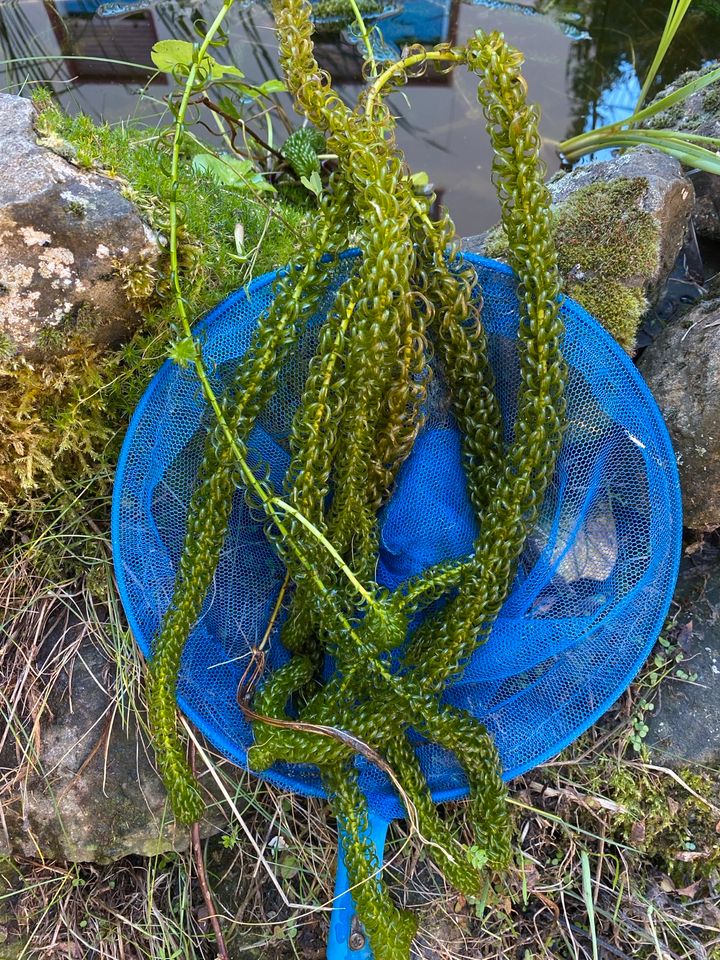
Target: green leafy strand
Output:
[(408, 296)]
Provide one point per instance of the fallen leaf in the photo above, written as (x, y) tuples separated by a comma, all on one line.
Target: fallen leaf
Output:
[(685, 635), (690, 890), (637, 834), (550, 904), (687, 856)]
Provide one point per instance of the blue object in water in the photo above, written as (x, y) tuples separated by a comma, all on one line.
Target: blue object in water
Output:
[(592, 589)]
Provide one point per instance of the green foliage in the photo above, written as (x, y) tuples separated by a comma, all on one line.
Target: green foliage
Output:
[(691, 149), (231, 171), (176, 57), (63, 415), (605, 241), (410, 297), (301, 151)]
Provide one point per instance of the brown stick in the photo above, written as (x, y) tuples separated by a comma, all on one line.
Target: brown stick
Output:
[(202, 878), (235, 125)]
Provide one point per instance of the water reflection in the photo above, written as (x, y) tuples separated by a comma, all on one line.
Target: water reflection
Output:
[(568, 21), (603, 74), (583, 61)]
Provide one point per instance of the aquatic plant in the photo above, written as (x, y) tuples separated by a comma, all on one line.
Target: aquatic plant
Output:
[(607, 245), (691, 149), (410, 299)]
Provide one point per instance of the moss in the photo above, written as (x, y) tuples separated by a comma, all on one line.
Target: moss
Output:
[(673, 829), (52, 338), (65, 416), (7, 347), (618, 307), (607, 244), (692, 114), (139, 281)]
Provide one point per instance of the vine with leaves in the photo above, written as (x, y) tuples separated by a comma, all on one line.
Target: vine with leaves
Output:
[(410, 298)]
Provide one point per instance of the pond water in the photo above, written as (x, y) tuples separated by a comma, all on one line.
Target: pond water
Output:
[(583, 62)]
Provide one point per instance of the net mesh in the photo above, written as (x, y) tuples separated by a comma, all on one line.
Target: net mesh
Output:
[(594, 581)]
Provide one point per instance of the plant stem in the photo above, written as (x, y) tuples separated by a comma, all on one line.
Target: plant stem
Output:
[(365, 36), (399, 66), (675, 17), (272, 504)]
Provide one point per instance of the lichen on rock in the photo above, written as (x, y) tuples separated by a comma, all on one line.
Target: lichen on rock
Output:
[(53, 216), (67, 386)]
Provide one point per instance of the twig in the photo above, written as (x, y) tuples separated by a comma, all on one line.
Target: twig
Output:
[(235, 124), (202, 877), (679, 780)]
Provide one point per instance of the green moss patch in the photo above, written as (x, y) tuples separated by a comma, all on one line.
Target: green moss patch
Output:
[(607, 247)]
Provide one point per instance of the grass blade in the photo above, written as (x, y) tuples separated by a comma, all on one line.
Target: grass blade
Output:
[(588, 900), (675, 17), (672, 98)]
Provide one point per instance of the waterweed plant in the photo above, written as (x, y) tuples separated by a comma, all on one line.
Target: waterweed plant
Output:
[(410, 307)]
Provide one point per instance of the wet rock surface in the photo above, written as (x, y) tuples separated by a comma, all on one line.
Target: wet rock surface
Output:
[(68, 241), (685, 726), (78, 778), (682, 369)]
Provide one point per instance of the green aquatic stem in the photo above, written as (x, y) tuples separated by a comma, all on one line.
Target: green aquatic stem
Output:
[(400, 67), (364, 702), (407, 296), (164, 668), (163, 672), (364, 34), (687, 148)]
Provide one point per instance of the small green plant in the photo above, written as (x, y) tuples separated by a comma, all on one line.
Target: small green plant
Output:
[(355, 424), (640, 729), (691, 149)]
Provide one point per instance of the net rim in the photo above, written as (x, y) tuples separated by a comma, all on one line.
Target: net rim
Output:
[(237, 754)]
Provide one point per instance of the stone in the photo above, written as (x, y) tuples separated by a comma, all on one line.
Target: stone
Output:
[(698, 114), (685, 726), (69, 240), (682, 369), (618, 226), (82, 785)]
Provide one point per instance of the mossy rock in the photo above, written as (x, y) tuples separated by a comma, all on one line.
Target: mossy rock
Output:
[(698, 114), (63, 414), (618, 226)]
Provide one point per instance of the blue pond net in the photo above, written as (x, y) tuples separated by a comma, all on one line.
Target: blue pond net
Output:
[(593, 585)]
